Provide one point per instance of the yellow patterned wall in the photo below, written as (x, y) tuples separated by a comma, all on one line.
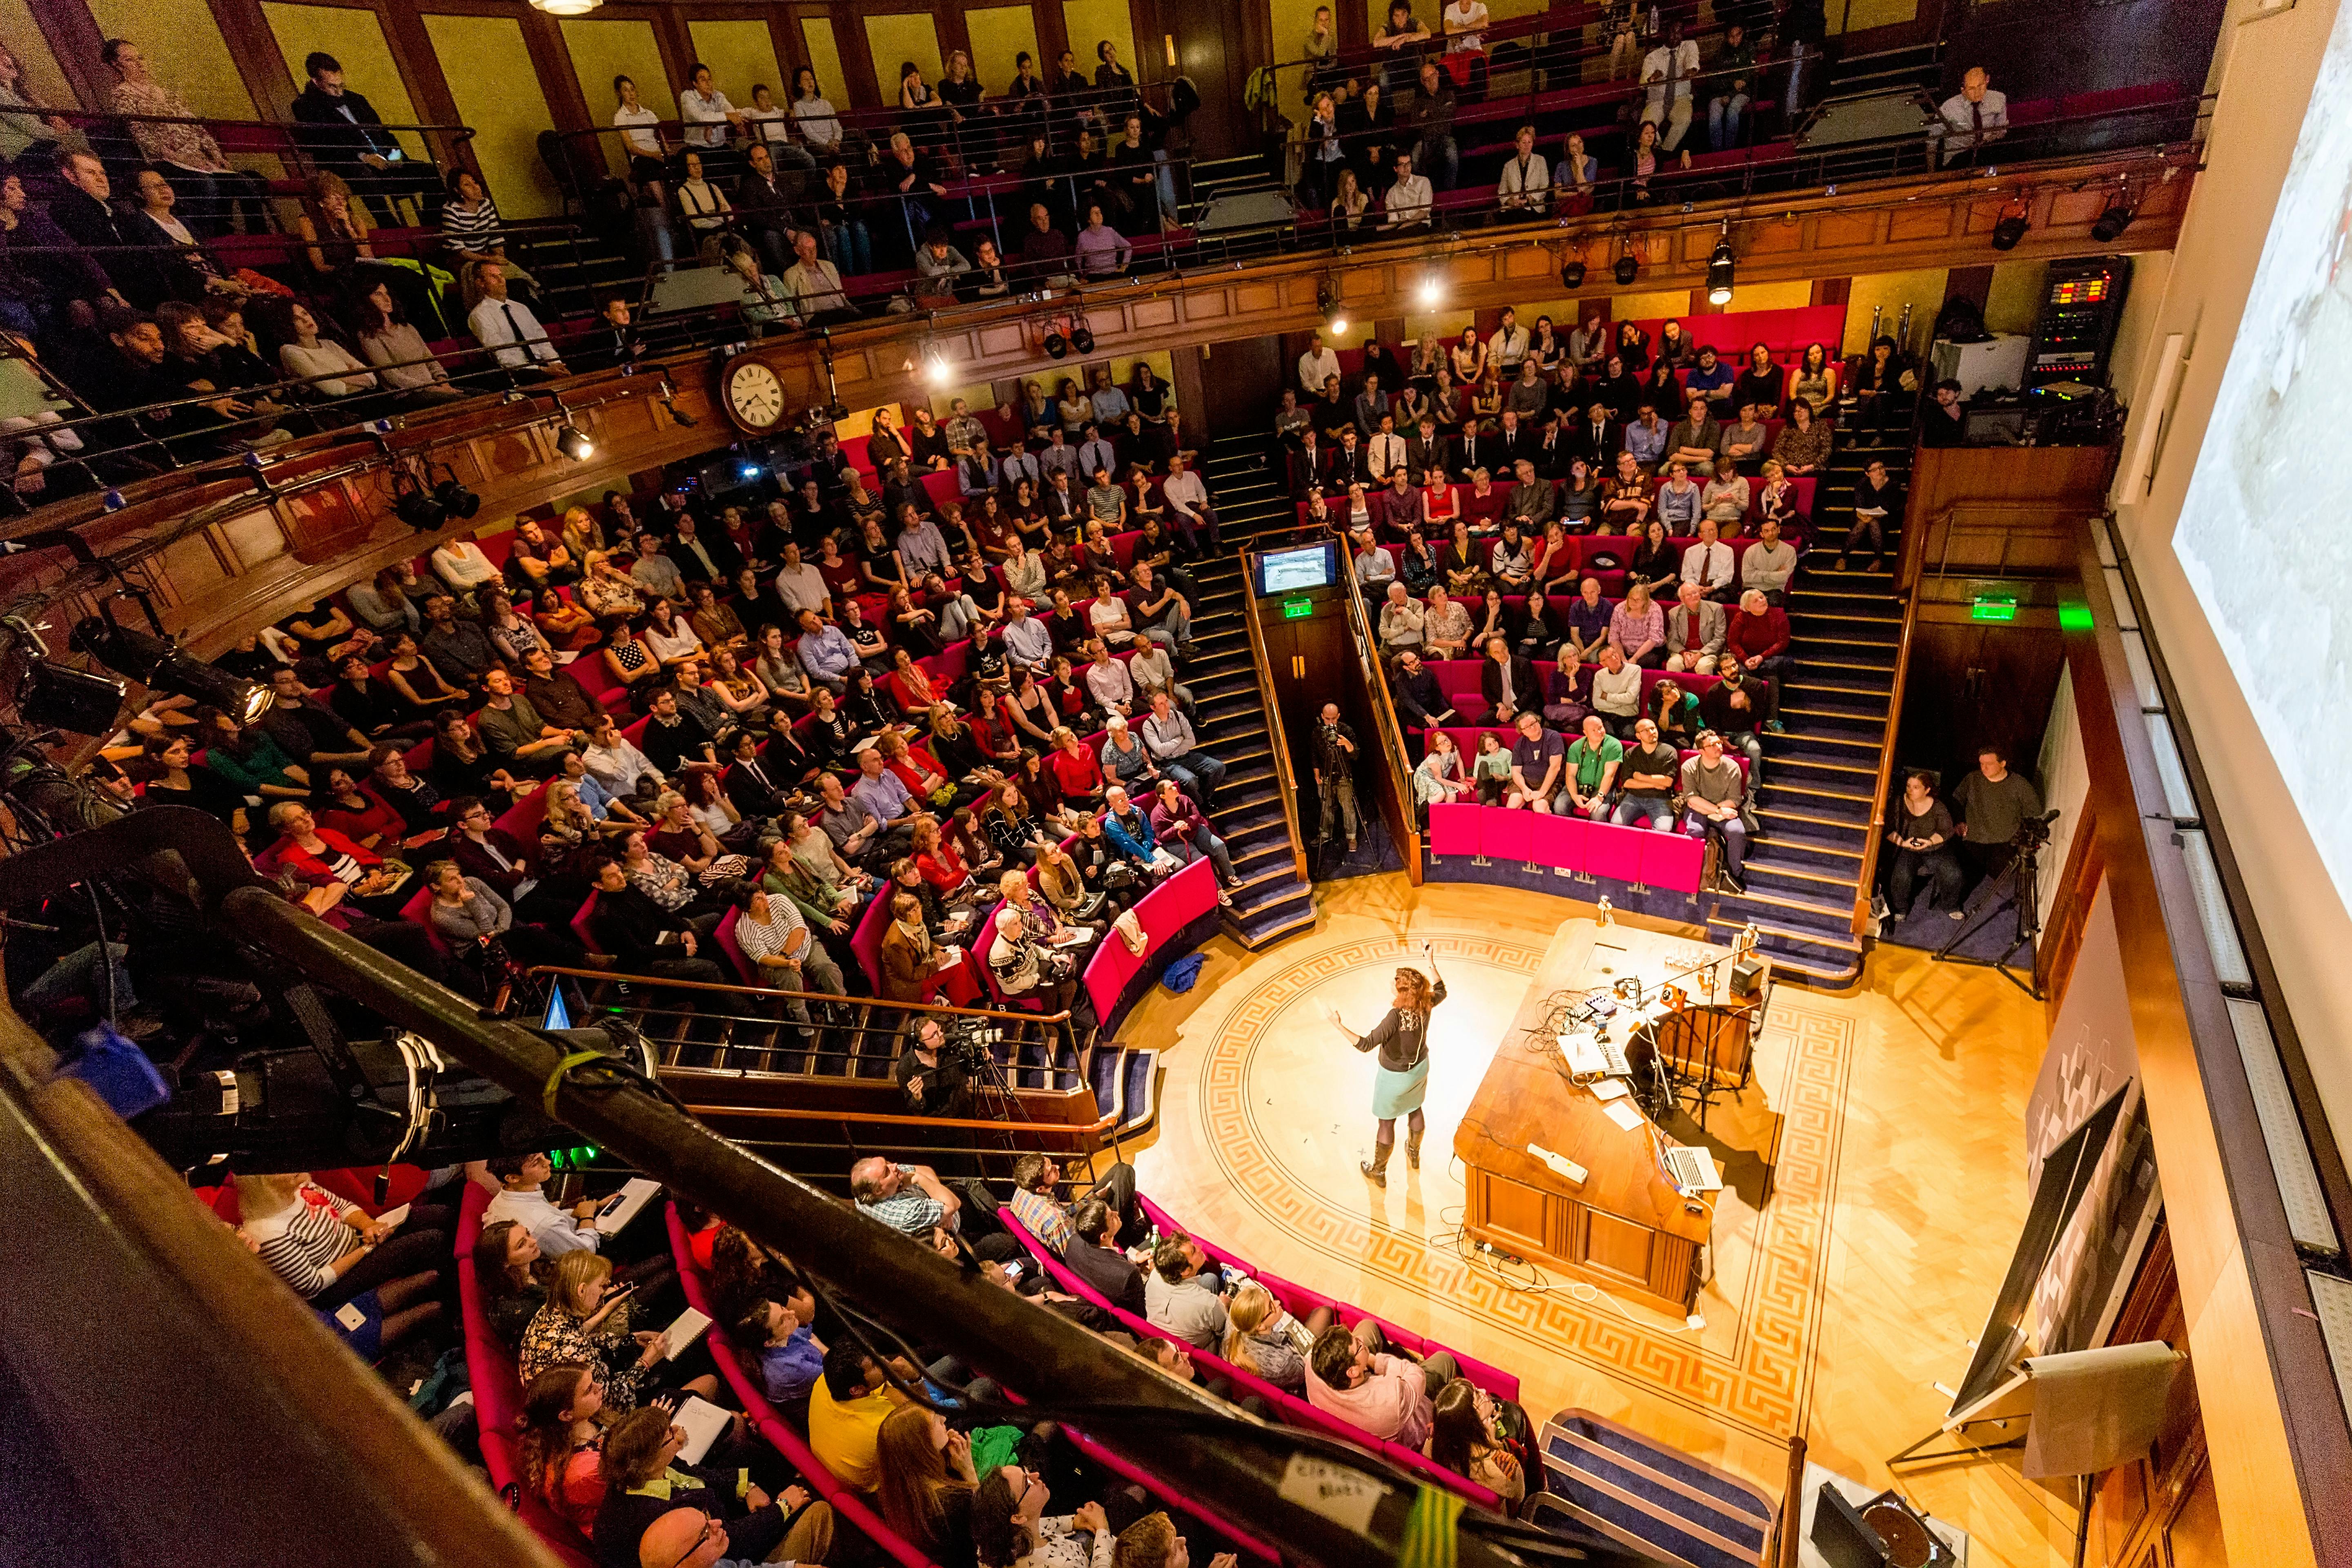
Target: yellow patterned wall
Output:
[(897, 38), (602, 49), (45, 84), (356, 39), (1091, 21), (497, 94), (185, 47), (997, 34), (824, 58), (740, 54), (1923, 291)]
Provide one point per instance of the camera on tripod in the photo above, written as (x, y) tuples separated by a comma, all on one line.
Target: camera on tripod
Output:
[(2032, 832), (970, 1045)]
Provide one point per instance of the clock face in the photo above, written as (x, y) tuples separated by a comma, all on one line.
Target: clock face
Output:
[(754, 397)]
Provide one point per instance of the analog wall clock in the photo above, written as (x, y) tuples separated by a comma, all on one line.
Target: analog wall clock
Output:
[(753, 395)]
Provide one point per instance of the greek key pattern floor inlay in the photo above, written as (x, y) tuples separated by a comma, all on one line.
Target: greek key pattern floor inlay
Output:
[(1758, 1382)]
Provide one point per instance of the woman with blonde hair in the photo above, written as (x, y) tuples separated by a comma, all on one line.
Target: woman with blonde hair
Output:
[(1401, 1038), (585, 1322), (330, 1250), (1259, 1337), (925, 1481)]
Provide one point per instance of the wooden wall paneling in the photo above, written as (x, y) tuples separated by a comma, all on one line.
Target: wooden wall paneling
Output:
[(954, 34), (268, 76), (1973, 685), (2070, 911), (856, 63), (1053, 35), (74, 38), (559, 82), (412, 46), (2012, 509)]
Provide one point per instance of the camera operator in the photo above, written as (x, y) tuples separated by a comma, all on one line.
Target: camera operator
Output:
[(1992, 805), (932, 1075)]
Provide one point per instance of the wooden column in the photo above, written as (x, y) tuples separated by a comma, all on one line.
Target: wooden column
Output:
[(74, 38), (270, 79)]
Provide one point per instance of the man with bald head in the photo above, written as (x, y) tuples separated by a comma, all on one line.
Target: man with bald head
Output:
[(1971, 117)]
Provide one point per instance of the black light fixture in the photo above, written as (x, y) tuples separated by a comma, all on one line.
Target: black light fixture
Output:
[(1055, 345), (163, 665), (57, 696), (2111, 223), (456, 499), (2011, 225), (1628, 268), (668, 396), (416, 506), (573, 442), (1719, 268), (1081, 339), (1573, 275), (1327, 301)]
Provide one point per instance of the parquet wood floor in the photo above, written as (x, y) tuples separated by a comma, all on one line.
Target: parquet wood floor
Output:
[(1833, 1307)]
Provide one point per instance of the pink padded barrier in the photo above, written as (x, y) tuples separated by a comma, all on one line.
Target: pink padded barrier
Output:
[(1559, 842), (1614, 852), (1507, 834), (1454, 827), (1672, 861), (849, 1506)]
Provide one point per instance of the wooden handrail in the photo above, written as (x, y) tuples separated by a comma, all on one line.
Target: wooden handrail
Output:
[(1285, 776), (1883, 783), (939, 1007), (1384, 719), (794, 1113)]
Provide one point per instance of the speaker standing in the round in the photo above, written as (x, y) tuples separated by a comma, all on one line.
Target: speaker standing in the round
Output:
[(1402, 1038)]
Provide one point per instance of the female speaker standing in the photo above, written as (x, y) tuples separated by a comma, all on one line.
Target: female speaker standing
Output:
[(1402, 1040)]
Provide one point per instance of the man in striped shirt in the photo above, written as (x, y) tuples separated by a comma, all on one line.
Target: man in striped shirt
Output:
[(1036, 1178)]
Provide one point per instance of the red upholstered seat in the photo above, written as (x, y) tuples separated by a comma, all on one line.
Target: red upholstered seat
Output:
[(523, 818), (939, 484), (725, 935), (419, 908), (1669, 860), (583, 924)]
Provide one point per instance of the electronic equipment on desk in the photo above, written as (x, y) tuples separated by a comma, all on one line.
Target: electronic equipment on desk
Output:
[(1693, 1169), (1592, 1055)]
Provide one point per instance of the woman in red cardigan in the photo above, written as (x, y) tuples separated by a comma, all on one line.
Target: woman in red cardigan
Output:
[(321, 854), (1077, 769)]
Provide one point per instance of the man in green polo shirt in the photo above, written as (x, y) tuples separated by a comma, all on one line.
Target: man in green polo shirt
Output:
[(1592, 761)]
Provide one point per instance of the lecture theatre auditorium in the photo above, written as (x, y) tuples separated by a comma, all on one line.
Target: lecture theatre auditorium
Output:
[(1079, 784)]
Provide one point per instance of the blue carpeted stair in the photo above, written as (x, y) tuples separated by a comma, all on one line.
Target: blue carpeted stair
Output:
[(1813, 806), (1273, 902), (1611, 1484)]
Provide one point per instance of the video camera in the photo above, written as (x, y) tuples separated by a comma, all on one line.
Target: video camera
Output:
[(2033, 832), (967, 1044)]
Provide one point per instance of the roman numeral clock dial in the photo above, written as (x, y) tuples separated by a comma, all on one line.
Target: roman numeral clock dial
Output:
[(753, 395)]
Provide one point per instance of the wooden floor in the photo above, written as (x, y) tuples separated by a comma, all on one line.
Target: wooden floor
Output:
[(1833, 1307)]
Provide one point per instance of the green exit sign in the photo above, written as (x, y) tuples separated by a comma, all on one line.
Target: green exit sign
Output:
[(1992, 609), (1297, 609)]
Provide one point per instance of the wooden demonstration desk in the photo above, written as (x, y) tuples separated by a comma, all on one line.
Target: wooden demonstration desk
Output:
[(1624, 1226)]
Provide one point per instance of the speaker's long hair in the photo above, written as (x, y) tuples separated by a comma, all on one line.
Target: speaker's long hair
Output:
[(1412, 991)]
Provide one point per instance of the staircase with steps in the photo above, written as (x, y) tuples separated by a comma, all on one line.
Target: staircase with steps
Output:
[(1814, 805), (1273, 902)]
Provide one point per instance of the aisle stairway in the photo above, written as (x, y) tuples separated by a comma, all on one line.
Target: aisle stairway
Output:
[(1273, 902), (1814, 805)]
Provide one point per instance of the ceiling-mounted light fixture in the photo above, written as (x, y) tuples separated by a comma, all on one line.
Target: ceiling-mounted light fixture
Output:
[(454, 499), (565, 7), (1326, 302), (570, 439), (936, 368), (2120, 212), (1082, 338), (1571, 274), (162, 664), (2011, 225), (1432, 292), (1720, 267), (415, 505), (1628, 268), (1055, 345)]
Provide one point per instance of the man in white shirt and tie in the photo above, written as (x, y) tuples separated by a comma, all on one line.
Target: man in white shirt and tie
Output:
[(1526, 185), (508, 328), (1709, 563), (1094, 452), (1667, 71), (1971, 117), (1316, 363), (1387, 450)]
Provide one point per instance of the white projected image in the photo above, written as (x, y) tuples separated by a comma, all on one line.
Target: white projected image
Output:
[(2267, 554)]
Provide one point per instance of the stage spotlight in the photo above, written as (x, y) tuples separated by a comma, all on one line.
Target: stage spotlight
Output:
[(58, 698), (2111, 223), (415, 506), (747, 470), (1082, 340), (1718, 271), (1432, 292), (1628, 268), (573, 443), (1573, 275), (456, 500), (163, 665), (935, 369), (1327, 301), (1057, 346), (2010, 228)]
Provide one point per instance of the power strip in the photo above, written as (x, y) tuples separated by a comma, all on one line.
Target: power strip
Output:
[(1560, 1162)]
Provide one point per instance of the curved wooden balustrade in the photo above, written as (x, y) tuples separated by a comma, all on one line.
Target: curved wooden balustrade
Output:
[(326, 522)]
